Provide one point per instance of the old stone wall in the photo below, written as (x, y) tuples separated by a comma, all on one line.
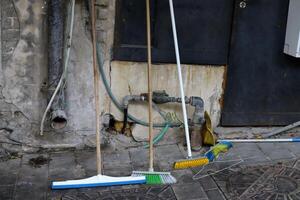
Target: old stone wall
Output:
[(23, 78)]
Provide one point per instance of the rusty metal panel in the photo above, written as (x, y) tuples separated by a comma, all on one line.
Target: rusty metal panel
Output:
[(263, 83)]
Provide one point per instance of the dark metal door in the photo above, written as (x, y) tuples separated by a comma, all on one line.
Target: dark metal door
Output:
[(263, 84), (203, 28)]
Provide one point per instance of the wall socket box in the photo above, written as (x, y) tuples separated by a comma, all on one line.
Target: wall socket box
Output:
[(292, 38)]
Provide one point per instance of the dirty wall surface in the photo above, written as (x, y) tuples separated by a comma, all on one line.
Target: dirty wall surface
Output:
[(23, 78)]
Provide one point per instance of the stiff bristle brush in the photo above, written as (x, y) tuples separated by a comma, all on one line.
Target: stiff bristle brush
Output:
[(208, 157)]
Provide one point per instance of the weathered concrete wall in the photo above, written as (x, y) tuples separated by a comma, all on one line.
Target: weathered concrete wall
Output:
[(23, 76), (204, 81)]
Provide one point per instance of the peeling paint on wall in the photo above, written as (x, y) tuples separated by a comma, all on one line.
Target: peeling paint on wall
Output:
[(204, 81)]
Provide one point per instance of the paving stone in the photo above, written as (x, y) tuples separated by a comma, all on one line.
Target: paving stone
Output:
[(6, 192), (32, 182), (63, 167), (116, 157), (183, 176), (139, 157), (166, 193), (165, 156), (62, 194), (168, 152), (277, 181), (294, 148), (87, 159), (276, 151), (9, 171), (234, 183), (189, 191), (249, 154), (215, 194), (208, 183), (119, 170)]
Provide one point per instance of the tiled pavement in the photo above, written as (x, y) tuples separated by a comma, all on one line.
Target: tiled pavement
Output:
[(248, 171)]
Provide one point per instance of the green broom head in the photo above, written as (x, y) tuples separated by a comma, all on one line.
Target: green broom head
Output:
[(156, 178)]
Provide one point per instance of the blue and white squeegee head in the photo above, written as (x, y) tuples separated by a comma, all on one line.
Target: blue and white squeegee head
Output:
[(98, 181)]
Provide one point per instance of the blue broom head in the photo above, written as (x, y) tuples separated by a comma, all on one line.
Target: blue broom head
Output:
[(98, 181)]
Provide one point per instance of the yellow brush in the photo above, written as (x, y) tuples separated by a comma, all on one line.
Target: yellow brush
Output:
[(209, 156), (190, 163)]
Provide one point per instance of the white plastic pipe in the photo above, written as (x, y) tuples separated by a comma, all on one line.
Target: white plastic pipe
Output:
[(260, 140), (186, 127)]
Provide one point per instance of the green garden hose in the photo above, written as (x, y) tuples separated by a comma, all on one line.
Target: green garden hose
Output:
[(115, 101)]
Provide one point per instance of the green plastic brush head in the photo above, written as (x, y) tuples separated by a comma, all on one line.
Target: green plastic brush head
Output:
[(156, 178)]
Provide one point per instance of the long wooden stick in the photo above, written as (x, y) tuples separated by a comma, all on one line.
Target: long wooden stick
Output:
[(151, 151), (96, 90)]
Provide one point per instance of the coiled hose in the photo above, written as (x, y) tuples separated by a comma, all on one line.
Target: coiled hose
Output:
[(115, 101)]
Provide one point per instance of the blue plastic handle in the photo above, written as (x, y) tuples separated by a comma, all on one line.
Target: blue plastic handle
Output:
[(296, 140)]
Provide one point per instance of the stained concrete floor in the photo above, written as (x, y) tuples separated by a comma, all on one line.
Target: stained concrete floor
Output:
[(247, 171)]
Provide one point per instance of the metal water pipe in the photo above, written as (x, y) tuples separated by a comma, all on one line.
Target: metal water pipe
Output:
[(58, 117)]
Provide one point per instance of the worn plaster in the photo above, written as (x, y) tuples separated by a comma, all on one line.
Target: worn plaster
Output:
[(204, 81), (23, 77)]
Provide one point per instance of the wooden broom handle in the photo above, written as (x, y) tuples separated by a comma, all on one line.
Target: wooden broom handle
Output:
[(96, 90), (151, 151)]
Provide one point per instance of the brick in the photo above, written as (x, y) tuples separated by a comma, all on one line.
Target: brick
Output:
[(10, 23), (7, 8), (9, 46), (10, 34), (102, 14), (101, 25), (102, 3), (5, 59)]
